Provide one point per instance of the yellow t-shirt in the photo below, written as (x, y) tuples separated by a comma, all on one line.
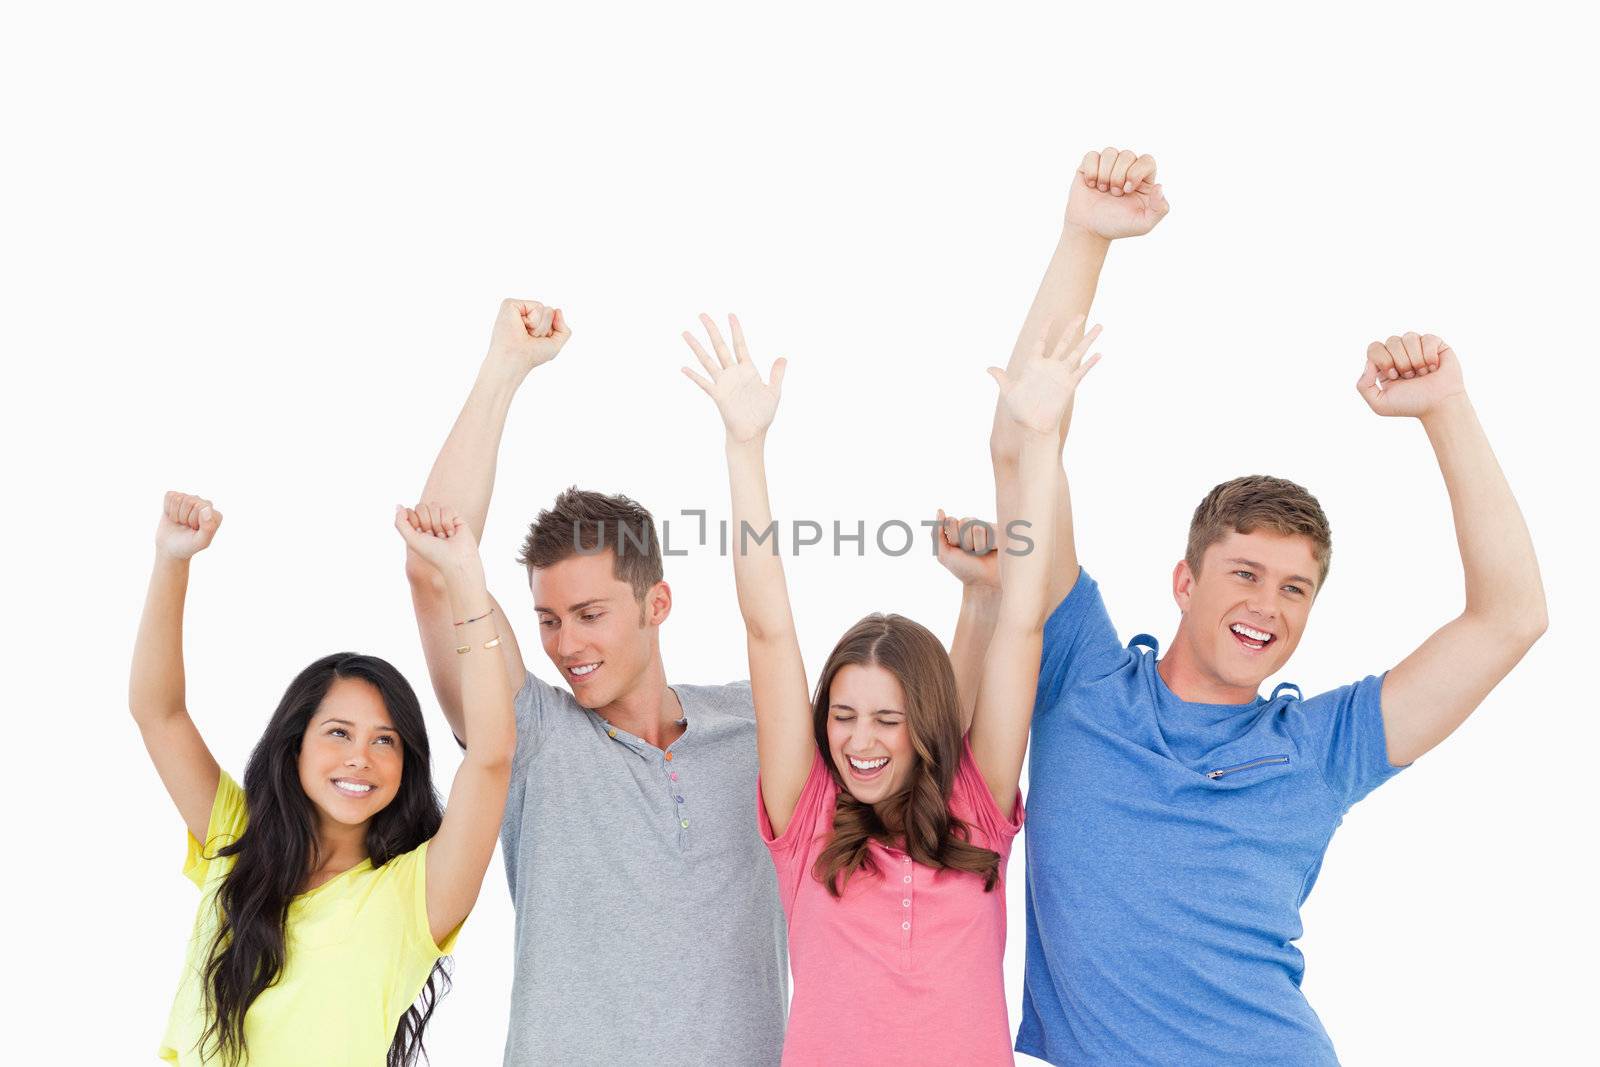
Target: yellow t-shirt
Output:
[(358, 952)]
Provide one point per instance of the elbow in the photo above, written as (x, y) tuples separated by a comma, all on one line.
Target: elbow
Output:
[(1533, 625)]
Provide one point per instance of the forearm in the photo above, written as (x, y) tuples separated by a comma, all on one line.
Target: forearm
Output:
[(156, 683), (1024, 574), (488, 726), (464, 472), (757, 568), (1066, 291), (1497, 556), (974, 628)]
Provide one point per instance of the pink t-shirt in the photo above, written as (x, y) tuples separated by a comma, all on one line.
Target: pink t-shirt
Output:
[(906, 967)]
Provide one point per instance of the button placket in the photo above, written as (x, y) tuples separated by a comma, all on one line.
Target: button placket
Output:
[(675, 791), (905, 910)]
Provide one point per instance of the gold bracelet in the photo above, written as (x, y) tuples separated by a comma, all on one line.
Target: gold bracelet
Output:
[(493, 642), (462, 650)]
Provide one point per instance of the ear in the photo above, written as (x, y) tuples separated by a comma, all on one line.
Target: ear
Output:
[(1183, 580), (658, 605)]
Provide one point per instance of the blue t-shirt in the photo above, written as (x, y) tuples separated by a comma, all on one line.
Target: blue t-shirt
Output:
[(1170, 846)]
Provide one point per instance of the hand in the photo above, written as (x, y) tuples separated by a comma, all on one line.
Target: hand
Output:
[(526, 334), (1044, 386), (1410, 375), (1114, 194), (440, 536), (967, 550), (187, 525), (747, 404)]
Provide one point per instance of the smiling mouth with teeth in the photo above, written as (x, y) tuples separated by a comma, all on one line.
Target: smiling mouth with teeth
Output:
[(1250, 637), (583, 670), (867, 766), (351, 788)]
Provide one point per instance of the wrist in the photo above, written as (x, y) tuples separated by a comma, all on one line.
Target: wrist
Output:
[(1447, 410), (979, 595), (748, 445), (166, 561), (1080, 237)]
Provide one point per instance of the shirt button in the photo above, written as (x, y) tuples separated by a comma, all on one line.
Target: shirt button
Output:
[(674, 776), (905, 926), (666, 755), (906, 879), (611, 733), (680, 798), (905, 903), (684, 823)]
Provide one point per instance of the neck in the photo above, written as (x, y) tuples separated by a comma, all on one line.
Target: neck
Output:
[(649, 710), (339, 846), (1190, 680)]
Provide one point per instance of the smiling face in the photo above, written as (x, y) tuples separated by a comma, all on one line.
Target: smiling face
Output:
[(1244, 612), (868, 738), (593, 627), (351, 756)]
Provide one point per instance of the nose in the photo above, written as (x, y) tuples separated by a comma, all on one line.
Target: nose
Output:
[(568, 644), (358, 759), (861, 737)]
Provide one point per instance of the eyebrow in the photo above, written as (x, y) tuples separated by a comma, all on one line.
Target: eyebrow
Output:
[(880, 711), (347, 722), (576, 607), (1261, 567)]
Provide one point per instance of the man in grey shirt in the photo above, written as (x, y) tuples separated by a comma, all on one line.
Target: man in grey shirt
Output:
[(648, 927)]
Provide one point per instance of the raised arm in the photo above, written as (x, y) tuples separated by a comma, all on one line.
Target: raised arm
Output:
[(1114, 195), (459, 853), (526, 334), (785, 744), (1034, 398), (966, 548), (1433, 690), (156, 684)]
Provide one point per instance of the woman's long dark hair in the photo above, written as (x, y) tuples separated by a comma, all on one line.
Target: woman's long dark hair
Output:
[(921, 813), (274, 854)]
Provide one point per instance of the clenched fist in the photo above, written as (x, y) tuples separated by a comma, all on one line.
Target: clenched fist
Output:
[(1114, 194), (526, 333), (187, 525), (437, 534), (1410, 375)]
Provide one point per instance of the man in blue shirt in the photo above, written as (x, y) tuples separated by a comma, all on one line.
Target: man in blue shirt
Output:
[(1176, 819)]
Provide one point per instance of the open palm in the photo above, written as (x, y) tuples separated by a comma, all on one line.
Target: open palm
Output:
[(1043, 387), (746, 403)]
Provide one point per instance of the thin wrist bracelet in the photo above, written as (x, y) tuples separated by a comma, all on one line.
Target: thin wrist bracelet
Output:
[(493, 642), (477, 618)]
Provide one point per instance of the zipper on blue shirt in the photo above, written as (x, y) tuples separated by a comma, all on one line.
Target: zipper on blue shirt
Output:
[(1264, 761)]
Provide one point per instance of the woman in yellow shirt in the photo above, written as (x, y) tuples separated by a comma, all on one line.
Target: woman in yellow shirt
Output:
[(332, 882)]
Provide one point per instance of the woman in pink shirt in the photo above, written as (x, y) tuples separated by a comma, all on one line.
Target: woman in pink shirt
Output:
[(888, 802)]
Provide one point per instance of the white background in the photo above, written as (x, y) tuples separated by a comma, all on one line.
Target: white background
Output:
[(255, 252)]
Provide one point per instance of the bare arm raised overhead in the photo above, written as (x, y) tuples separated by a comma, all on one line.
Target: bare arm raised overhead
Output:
[(1114, 194), (459, 853), (785, 745), (1034, 397), (156, 684), (526, 334), (1433, 690)]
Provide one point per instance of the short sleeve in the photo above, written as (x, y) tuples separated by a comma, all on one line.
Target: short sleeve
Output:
[(1079, 641), (532, 706), (229, 816), (407, 877), (1343, 731), (789, 851), (971, 800)]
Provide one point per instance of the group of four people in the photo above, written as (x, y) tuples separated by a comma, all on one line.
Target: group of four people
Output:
[(674, 850)]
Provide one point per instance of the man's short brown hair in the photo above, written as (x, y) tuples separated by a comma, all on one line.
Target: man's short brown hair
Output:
[(1260, 502), (587, 523)]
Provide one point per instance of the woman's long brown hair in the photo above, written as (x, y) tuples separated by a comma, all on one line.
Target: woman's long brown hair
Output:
[(920, 813)]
